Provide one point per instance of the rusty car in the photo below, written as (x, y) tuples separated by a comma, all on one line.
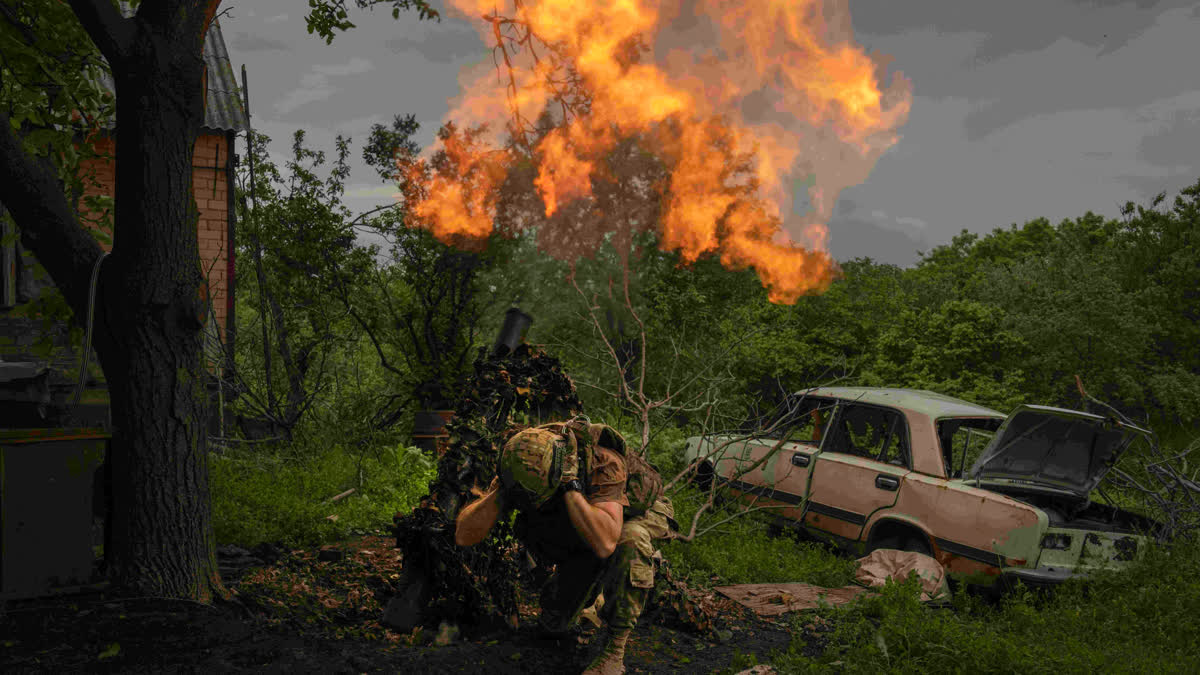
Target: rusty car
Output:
[(990, 496)]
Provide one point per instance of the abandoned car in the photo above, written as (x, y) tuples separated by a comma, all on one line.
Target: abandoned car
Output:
[(989, 496)]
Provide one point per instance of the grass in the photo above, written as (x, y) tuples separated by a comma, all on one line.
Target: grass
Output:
[(743, 551), (282, 495), (1143, 619)]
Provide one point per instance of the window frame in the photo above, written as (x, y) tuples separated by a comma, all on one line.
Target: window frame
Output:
[(906, 435)]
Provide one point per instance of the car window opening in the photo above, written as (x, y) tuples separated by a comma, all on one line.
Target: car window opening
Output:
[(871, 433), (963, 440)]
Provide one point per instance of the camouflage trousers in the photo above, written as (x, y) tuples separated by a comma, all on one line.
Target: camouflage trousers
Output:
[(626, 577)]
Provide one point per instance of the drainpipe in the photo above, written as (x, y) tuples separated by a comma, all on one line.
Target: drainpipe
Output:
[(230, 251)]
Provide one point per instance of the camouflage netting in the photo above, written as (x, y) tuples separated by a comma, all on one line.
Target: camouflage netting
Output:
[(478, 584)]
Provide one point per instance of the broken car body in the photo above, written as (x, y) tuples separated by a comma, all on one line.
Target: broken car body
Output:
[(988, 495)]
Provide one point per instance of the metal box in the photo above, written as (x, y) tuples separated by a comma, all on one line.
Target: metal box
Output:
[(47, 509)]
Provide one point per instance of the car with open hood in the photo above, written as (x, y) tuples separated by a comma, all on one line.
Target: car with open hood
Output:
[(988, 495)]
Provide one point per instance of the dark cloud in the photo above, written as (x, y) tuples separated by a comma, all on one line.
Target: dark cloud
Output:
[(1147, 187), (1174, 153), (855, 238), (245, 42), (1016, 25), (1177, 145), (443, 46), (1025, 57)]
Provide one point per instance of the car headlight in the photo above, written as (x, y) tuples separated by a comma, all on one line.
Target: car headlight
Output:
[(1057, 541)]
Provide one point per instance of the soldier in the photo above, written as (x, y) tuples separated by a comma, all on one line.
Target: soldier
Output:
[(569, 487)]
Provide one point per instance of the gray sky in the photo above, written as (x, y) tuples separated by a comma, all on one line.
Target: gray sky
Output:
[(1021, 109)]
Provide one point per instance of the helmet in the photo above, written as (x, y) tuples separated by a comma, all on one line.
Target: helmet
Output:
[(531, 464)]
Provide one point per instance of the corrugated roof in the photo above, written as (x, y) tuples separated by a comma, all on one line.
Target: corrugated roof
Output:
[(223, 106)]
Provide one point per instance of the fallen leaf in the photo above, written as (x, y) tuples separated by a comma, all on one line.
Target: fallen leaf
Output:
[(110, 651)]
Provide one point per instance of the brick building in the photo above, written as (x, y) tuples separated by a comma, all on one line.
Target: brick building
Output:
[(41, 360)]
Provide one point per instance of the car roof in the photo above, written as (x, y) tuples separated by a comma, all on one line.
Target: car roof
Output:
[(929, 403)]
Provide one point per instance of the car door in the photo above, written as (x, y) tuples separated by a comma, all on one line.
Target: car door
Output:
[(771, 464), (860, 468), (802, 432)]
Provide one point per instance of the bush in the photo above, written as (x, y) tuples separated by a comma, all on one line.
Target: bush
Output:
[(281, 495)]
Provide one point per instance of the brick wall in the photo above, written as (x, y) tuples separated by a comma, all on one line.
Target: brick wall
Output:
[(210, 186)]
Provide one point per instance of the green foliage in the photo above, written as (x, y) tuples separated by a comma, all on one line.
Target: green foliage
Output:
[(52, 83), (1140, 620), (281, 495), (423, 308), (299, 242), (327, 18), (55, 102), (960, 348)]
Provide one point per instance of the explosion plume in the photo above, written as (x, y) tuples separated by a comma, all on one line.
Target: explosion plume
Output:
[(721, 108)]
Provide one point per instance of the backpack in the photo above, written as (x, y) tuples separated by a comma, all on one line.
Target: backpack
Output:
[(643, 482)]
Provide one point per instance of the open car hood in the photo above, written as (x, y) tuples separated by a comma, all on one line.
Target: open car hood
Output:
[(1055, 447)]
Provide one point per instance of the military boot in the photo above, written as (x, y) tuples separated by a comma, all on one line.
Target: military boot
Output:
[(611, 660)]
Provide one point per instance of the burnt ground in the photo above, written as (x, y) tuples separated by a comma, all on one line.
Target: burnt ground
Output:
[(302, 611)]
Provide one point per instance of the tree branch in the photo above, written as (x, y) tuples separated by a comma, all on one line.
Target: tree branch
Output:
[(111, 32), (30, 190)]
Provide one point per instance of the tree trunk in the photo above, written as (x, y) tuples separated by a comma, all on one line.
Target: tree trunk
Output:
[(151, 299), (161, 537)]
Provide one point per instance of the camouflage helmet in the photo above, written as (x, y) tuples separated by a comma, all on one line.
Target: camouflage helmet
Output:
[(531, 464)]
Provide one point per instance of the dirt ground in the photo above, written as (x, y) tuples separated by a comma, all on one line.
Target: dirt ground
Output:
[(303, 611)]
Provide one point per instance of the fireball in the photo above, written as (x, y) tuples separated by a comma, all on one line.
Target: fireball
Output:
[(737, 100)]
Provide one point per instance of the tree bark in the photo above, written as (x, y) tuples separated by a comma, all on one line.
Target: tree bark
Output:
[(162, 537), (151, 299)]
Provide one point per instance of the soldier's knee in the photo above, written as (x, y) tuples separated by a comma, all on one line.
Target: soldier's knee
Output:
[(635, 536)]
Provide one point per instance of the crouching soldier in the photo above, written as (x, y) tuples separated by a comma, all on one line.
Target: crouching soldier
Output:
[(589, 508)]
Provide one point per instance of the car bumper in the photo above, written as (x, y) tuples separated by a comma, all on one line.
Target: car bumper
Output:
[(1040, 577)]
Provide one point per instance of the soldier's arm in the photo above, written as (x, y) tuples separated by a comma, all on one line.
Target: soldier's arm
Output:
[(476, 519), (598, 524)]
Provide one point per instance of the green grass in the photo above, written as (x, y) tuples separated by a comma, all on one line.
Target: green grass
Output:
[(1143, 619), (281, 495), (742, 551)]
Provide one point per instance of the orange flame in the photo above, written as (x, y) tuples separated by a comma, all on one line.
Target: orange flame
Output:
[(779, 82)]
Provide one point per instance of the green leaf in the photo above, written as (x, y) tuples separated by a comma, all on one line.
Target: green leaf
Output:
[(110, 651)]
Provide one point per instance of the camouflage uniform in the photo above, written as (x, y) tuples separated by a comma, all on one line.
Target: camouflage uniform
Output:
[(625, 578)]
